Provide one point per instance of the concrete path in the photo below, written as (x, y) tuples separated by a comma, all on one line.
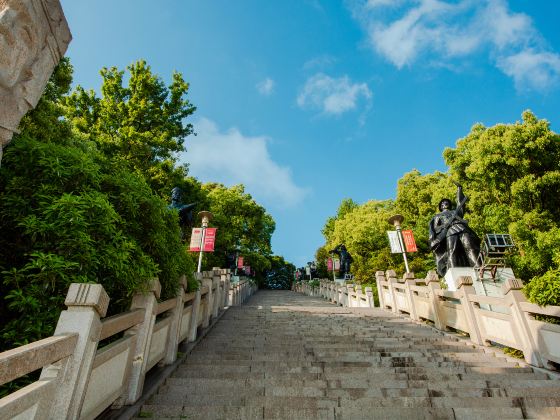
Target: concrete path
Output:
[(284, 355)]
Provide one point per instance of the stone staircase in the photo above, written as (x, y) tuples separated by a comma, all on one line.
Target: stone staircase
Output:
[(289, 356)]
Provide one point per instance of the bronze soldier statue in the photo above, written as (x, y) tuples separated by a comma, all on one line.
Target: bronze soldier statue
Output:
[(186, 216), (452, 241), (345, 260)]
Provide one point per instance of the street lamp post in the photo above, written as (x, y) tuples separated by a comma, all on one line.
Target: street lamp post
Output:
[(396, 220), (206, 217)]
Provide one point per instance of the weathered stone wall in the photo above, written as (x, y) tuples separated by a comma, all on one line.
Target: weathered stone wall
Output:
[(34, 36)]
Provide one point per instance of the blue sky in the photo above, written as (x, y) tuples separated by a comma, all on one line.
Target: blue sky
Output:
[(307, 102)]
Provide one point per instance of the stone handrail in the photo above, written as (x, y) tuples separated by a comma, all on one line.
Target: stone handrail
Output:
[(509, 320), (81, 376)]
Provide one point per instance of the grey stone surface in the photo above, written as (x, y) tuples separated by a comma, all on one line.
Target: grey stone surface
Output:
[(285, 355), (34, 37)]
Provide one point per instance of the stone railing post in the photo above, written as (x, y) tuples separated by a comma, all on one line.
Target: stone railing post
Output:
[(379, 279), (357, 293), (392, 280), (369, 298), (176, 317), (237, 293), (464, 285), (226, 280), (232, 291), (216, 277), (207, 282), (143, 332), (349, 299), (513, 294), (87, 304), (432, 283), (193, 328), (409, 280)]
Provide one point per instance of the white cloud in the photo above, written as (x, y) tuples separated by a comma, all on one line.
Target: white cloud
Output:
[(319, 62), (266, 86), (332, 95), (371, 4), (447, 30), (231, 158), (532, 70)]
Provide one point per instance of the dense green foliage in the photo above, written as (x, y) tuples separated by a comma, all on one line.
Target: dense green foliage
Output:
[(280, 275), (511, 174), (141, 126), (243, 225), (75, 208), (84, 194)]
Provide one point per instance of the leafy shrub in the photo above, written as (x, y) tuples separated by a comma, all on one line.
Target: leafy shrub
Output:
[(544, 290), (69, 216)]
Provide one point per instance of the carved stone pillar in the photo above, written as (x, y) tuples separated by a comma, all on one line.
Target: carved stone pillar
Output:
[(34, 37), (87, 304)]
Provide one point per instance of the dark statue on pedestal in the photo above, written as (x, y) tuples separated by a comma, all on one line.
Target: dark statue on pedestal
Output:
[(452, 241), (186, 216), (345, 260)]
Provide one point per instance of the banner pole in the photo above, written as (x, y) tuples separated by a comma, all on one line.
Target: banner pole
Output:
[(206, 216)]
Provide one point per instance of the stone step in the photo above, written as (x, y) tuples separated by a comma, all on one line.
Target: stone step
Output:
[(217, 374), (350, 361), (404, 413), (308, 359), (541, 391), (161, 412), (542, 412), (432, 391), (256, 383)]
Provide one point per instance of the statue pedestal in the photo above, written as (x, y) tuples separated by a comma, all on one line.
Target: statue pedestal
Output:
[(485, 286), (452, 277)]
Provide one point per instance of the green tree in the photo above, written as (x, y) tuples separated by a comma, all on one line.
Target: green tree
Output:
[(242, 224), (280, 275), (141, 126), (417, 200), (321, 257), (346, 206), (70, 213), (512, 174), (363, 230)]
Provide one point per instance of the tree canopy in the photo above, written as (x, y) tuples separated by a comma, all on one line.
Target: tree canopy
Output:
[(142, 125), (243, 225), (511, 174), (84, 192)]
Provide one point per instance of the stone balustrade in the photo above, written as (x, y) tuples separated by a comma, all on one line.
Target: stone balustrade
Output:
[(509, 320), (81, 376)]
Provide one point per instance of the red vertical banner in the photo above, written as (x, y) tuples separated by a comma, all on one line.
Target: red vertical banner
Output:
[(209, 239), (240, 261), (196, 238), (409, 242), (329, 264)]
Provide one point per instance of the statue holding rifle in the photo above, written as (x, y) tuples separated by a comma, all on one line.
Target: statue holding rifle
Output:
[(452, 241)]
